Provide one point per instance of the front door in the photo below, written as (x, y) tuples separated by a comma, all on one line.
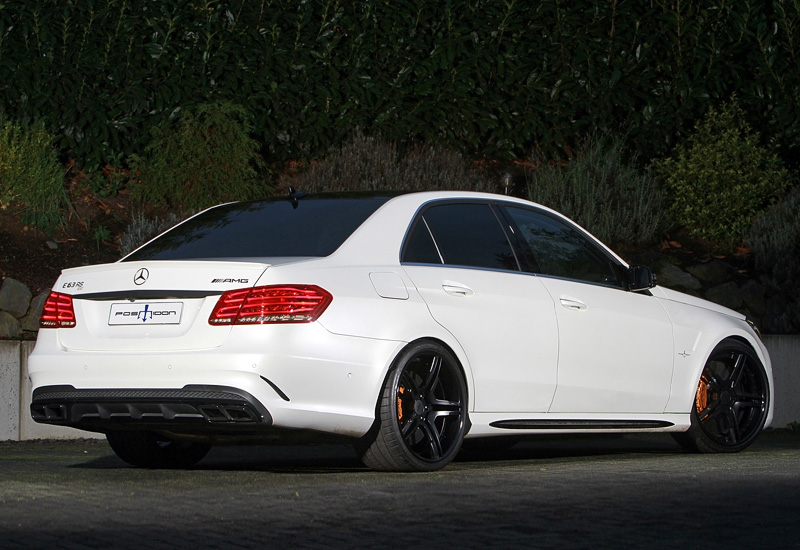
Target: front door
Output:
[(615, 347)]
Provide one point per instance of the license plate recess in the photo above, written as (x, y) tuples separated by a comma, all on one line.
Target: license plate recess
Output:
[(146, 313)]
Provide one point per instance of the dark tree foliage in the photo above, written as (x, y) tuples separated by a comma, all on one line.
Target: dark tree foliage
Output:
[(495, 78)]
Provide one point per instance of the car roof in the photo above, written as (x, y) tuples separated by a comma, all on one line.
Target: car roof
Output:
[(381, 235)]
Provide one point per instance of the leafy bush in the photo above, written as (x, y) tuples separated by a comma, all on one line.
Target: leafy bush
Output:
[(722, 178), (31, 174), (775, 243), (207, 159), (604, 193), (493, 77), (365, 163)]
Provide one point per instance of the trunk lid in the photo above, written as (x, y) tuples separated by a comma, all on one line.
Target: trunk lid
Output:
[(151, 305)]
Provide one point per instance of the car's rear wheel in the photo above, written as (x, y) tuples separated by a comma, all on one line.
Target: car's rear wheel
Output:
[(422, 412), (731, 402), (147, 449)]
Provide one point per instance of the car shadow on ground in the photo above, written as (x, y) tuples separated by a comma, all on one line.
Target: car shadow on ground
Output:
[(339, 458)]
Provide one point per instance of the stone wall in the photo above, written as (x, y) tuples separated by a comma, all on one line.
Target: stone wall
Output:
[(723, 281), (19, 310)]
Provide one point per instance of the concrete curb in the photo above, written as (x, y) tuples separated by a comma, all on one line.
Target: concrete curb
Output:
[(16, 423)]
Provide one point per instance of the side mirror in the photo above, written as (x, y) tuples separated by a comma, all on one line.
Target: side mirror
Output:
[(640, 277)]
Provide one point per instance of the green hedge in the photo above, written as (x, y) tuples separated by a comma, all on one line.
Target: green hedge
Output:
[(498, 78)]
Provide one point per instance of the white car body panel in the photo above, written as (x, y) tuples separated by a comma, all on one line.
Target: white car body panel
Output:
[(530, 347), (512, 309), (699, 326), (595, 325)]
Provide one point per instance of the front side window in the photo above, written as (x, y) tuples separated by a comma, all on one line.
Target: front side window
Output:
[(459, 234), (560, 250)]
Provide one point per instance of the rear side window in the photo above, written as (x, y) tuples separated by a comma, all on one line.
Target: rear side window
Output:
[(463, 234), (311, 227)]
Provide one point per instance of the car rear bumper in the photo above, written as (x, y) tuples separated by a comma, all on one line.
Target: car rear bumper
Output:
[(321, 382), (191, 407)]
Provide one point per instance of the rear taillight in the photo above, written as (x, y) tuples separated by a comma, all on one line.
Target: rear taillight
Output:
[(270, 304), (57, 312)]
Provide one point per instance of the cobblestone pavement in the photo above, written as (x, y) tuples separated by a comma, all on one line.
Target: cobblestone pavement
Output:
[(619, 492)]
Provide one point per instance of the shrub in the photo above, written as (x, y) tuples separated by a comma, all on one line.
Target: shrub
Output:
[(142, 229), (366, 163), (31, 174), (722, 178), (774, 240), (207, 159), (603, 192)]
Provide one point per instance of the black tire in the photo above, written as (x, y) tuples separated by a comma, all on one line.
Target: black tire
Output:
[(150, 450), (421, 413), (731, 402)]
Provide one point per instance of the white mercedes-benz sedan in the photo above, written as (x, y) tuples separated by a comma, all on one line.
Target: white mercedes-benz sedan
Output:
[(406, 323)]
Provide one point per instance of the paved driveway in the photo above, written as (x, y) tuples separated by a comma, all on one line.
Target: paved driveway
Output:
[(631, 492)]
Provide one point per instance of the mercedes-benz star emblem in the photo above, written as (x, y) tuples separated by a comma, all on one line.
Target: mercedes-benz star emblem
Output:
[(141, 276)]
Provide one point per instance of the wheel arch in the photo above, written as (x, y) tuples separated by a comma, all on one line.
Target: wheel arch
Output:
[(419, 423), (684, 387), (453, 348), (729, 413), (456, 351)]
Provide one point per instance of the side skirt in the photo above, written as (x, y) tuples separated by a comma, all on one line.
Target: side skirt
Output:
[(581, 425)]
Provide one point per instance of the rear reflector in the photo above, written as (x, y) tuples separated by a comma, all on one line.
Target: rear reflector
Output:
[(270, 304), (57, 312)]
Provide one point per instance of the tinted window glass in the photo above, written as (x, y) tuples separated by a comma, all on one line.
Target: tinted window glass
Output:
[(269, 228), (562, 251), (467, 234), (419, 247)]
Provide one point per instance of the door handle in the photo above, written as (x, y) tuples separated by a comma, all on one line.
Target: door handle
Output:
[(575, 305), (456, 289)]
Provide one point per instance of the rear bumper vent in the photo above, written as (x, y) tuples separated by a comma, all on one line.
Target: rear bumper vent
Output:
[(99, 409)]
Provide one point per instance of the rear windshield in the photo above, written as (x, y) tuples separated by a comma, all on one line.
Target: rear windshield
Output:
[(311, 226)]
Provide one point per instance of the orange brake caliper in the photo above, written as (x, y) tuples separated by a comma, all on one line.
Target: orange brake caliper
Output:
[(400, 392), (701, 401)]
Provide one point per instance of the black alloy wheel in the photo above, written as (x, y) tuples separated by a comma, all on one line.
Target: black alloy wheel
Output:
[(422, 412), (731, 402)]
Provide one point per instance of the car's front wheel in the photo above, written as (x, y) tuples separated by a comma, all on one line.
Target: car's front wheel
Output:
[(147, 449), (422, 412), (731, 402)]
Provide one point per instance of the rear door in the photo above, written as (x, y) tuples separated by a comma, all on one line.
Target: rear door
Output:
[(460, 259)]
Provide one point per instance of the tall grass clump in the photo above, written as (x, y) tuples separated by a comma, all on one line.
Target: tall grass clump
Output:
[(31, 174), (142, 228), (774, 240), (369, 163), (208, 158), (722, 178), (604, 192)]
